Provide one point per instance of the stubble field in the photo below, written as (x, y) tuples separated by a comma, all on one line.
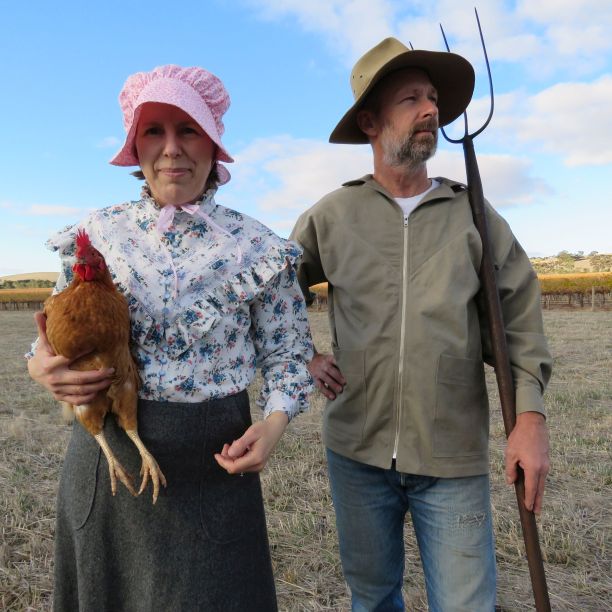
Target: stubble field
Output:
[(575, 525)]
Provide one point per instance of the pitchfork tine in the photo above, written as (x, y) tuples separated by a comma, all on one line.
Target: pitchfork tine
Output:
[(465, 118)]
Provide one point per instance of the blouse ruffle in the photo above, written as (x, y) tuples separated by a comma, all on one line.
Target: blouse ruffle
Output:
[(206, 294), (183, 284)]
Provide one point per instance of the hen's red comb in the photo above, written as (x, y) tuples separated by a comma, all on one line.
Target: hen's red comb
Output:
[(82, 239)]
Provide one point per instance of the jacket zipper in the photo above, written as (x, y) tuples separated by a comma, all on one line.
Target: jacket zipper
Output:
[(402, 335)]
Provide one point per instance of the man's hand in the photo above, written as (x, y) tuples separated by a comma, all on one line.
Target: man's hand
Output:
[(251, 451), (54, 374), (326, 374), (528, 448)]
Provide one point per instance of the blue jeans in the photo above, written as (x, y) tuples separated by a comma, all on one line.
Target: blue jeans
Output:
[(452, 522)]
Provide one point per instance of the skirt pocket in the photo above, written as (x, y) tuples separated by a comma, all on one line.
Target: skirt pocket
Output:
[(79, 476), (231, 506)]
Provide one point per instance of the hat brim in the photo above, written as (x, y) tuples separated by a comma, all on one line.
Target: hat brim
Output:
[(451, 75)]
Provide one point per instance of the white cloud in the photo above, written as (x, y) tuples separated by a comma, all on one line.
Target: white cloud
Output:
[(572, 120), (547, 36), (506, 180), (350, 26), (577, 12), (283, 177)]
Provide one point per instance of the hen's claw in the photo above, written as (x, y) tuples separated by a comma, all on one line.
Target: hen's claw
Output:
[(115, 469), (149, 468)]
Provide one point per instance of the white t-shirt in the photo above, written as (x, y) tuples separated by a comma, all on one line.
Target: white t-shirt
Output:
[(409, 204)]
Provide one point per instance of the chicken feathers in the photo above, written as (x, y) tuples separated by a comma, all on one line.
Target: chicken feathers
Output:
[(89, 324)]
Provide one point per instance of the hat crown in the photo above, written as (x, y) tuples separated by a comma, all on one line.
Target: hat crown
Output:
[(451, 75), (369, 64), (205, 84)]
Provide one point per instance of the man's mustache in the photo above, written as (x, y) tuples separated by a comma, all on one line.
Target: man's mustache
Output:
[(426, 126)]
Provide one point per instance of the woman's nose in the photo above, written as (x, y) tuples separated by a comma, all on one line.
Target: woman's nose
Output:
[(172, 147)]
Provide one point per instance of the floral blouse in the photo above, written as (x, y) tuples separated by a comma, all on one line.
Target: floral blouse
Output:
[(212, 294)]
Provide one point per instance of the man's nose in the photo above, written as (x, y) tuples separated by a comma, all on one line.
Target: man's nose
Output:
[(430, 109)]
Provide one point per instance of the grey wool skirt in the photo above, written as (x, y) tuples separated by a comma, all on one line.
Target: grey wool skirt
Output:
[(202, 547)]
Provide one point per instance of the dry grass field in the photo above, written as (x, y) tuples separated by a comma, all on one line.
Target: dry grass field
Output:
[(575, 526), (30, 294)]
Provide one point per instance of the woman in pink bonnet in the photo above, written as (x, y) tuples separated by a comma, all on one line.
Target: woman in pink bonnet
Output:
[(212, 295)]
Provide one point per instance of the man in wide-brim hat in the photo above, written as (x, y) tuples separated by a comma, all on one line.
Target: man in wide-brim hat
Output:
[(406, 423)]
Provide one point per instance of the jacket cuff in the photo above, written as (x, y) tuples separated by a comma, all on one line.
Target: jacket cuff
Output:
[(529, 399)]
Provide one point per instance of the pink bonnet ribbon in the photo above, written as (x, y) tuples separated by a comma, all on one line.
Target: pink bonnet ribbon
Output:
[(166, 216)]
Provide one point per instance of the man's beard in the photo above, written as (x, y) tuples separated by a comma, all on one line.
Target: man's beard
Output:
[(407, 150)]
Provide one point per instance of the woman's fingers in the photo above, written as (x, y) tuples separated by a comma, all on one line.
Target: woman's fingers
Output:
[(76, 400), (81, 390), (251, 451)]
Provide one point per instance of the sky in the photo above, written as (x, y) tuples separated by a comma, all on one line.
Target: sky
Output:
[(545, 158)]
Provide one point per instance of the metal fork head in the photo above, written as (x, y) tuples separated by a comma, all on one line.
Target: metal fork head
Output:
[(466, 134)]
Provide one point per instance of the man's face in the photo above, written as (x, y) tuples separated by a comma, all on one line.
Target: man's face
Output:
[(408, 118)]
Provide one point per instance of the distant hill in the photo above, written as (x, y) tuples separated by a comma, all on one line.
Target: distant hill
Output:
[(562, 263), (46, 276), (28, 281), (571, 263)]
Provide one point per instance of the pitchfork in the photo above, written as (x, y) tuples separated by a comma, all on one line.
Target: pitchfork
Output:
[(494, 315)]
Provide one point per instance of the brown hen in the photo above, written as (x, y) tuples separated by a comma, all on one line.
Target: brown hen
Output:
[(89, 321)]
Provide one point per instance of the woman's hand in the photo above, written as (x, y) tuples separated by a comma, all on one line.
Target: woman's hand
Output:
[(251, 451), (54, 374)]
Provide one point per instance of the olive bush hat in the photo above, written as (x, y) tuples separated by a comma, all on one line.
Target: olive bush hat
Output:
[(451, 74)]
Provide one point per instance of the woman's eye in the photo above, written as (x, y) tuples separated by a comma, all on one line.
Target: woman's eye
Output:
[(153, 131), (188, 130)]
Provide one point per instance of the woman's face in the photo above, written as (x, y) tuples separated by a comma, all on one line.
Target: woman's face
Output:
[(175, 154)]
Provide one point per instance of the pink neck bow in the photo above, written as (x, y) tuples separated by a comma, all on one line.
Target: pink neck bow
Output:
[(166, 216)]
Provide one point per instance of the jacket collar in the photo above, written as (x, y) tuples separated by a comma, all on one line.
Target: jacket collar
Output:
[(447, 189)]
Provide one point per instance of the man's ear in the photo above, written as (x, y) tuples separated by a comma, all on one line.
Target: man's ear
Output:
[(367, 122)]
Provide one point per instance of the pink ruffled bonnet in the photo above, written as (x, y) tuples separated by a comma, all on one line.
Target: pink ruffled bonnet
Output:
[(194, 90)]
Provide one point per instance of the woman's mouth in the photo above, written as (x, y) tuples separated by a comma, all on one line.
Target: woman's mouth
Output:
[(173, 172)]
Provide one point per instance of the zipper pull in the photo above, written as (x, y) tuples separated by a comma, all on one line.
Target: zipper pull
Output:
[(405, 220)]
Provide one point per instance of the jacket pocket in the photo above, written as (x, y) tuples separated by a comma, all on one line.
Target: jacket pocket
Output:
[(461, 422), (345, 416)]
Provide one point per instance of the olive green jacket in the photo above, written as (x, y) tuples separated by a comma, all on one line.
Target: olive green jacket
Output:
[(405, 326)]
